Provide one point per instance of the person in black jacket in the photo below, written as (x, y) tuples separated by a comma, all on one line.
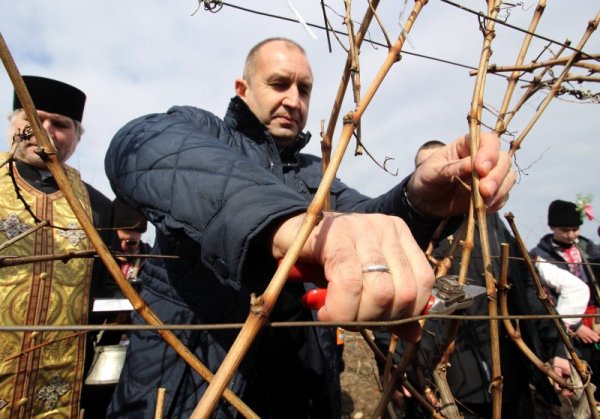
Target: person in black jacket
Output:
[(228, 196), (470, 367)]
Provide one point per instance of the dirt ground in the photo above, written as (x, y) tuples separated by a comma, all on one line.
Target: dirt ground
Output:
[(361, 390)]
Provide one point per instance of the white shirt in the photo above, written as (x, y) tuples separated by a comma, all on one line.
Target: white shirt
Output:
[(573, 293)]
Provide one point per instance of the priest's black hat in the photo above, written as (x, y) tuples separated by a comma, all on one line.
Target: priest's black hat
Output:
[(53, 96), (563, 214)]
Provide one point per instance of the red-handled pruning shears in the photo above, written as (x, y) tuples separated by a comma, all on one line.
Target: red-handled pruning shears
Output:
[(447, 295)]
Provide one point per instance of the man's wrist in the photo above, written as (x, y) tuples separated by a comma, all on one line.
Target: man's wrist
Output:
[(410, 204), (413, 206), (573, 328)]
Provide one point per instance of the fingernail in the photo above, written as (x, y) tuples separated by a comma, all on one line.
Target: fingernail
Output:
[(492, 187), (487, 166)]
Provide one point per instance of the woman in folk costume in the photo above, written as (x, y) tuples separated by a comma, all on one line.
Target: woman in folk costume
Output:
[(44, 376)]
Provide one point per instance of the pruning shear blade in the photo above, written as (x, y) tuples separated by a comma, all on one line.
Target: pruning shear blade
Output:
[(449, 296)]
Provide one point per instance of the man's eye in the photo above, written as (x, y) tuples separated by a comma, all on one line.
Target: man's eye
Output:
[(279, 85)]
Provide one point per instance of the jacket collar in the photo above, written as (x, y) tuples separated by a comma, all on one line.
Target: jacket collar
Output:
[(241, 118)]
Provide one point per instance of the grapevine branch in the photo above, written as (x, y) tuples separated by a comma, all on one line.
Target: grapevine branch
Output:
[(479, 206), (592, 26)]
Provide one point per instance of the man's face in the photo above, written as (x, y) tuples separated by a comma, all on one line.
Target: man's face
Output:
[(566, 235), (61, 130), (278, 90), (130, 240)]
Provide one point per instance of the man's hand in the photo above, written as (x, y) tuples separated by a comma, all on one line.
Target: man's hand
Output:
[(562, 367), (345, 244), (435, 188), (587, 335)]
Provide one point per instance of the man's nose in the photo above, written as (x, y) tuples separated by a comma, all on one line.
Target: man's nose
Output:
[(48, 126), (292, 97)]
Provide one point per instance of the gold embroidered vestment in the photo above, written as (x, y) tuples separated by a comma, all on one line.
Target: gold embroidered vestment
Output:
[(45, 375)]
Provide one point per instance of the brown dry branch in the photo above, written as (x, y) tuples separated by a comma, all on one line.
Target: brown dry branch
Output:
[(396, 377), (436, 236), (576, 79), (376, 351), (389, 367), (17, 138), (479, 206), (373, 6), (427, 402), (515, 334), (382, 166), (389, 358), (258, 317), (160, 403), (432, 400), (528, 68), (354, 71), (592, 26), (516, 74), (326, 158), (442, 267), (449, 407), (335, 111), (467, 244), (288, 324), (66, 256), (580, 367), (57, 171), (533, 87), (389, 361)]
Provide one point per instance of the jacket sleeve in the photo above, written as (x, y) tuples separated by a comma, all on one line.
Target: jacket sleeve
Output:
[(394, 202), (180, 171)]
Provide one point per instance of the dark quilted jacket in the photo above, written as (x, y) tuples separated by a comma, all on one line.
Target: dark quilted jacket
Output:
[(215, 190)]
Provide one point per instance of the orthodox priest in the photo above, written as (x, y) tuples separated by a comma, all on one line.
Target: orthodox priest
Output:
[(41, 373)]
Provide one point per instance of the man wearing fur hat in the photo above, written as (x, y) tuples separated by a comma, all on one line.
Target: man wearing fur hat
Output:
[(567, 249), (44, 374)]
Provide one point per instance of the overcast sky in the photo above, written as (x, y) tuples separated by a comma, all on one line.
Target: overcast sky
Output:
[(143, 56)]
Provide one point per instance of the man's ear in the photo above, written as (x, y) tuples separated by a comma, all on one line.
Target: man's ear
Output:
[(241, 86)]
